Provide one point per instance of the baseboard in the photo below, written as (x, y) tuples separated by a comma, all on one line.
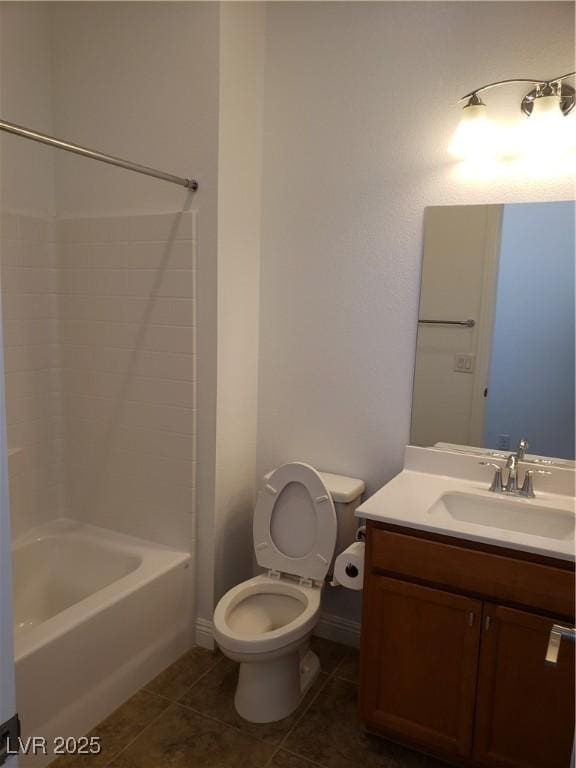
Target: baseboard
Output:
[(204, 634), (330, 627), (338, 629)]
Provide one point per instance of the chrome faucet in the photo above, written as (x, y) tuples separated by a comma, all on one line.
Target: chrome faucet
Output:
[(512, 467), (511, 485), (523, 446)]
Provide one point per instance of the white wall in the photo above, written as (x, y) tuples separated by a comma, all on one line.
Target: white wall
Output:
[(27, 169), (531, 388), (360, 106), (138, 80), (241, 90)]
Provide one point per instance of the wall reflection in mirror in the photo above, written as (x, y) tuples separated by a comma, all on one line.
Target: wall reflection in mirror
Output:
[(495, 351)]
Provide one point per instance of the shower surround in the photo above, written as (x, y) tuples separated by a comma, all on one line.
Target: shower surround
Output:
[(30, 304), (128, 371), (99, 325), (100, 360)]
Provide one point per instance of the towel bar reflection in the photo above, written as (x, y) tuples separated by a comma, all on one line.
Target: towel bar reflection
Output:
[(463, 323)]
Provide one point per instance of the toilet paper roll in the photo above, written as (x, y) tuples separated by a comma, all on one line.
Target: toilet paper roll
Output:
[(349, 567)]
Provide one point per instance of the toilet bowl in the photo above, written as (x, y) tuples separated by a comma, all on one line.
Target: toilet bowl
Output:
[(265, 623)]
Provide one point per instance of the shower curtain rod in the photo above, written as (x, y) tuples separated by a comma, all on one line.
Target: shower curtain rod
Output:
[(26, 133)]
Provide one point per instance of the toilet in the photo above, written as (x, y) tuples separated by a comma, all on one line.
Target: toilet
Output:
[(302, 517)]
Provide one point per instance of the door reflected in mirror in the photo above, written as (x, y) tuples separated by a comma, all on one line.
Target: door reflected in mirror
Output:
[(495, 351)]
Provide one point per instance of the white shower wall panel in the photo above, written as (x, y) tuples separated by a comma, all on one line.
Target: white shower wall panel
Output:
[(30, 318), (127, 310)]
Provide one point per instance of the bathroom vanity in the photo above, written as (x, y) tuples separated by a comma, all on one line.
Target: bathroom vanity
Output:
[(462, 588)]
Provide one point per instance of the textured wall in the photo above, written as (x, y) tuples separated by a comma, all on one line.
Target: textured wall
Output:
[(27, 170), (360, 106)]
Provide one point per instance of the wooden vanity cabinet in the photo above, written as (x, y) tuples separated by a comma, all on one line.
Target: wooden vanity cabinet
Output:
[(453, 648), (524, 709), (421, 652)]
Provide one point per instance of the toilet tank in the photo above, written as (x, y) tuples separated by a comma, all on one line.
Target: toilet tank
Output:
[(346, 493)]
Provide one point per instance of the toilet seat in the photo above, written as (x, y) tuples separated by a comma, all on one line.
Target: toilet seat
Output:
[(257, 642), (295, 523)]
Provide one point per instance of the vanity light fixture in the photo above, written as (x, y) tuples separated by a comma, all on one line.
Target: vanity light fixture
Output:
[(547, 104)]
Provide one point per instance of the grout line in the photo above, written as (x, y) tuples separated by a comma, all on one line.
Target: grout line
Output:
[(214, 719), (129, 743), (295, 754), (120, 322), (122, 374), (75, 346), (113, 400), (78, 420), (238, 729), (113, 243), (170, 702), (340, 663), (178, 703), (196, 681), (299, 719)]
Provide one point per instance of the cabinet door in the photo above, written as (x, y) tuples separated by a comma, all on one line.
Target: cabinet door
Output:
[(525, 708), (419, 661)]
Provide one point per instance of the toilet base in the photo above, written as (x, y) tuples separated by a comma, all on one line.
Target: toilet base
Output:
[(269, 691)]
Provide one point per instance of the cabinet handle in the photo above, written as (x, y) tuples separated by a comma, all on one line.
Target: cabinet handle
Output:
[(487, 622), (556, 634), (471, 618)]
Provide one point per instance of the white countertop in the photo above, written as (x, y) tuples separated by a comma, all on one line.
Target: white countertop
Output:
[(429, 474)]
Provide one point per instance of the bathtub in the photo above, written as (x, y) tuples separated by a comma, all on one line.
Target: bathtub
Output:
[(97, 614)]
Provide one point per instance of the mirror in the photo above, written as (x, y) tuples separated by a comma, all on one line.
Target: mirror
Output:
[(495, 351)]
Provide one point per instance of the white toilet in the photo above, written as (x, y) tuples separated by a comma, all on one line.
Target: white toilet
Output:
[(301, 518)]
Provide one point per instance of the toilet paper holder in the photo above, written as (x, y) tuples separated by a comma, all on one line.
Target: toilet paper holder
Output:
[(361, 533)]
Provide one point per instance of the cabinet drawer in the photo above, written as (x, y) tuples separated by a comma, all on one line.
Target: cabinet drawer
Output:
[(495, 576)]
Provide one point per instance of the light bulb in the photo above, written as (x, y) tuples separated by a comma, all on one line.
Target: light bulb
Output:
[(546, 108), (475, 135), (546, 129)]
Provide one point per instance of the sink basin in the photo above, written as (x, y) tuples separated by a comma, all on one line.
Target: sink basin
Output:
[(506, 514)]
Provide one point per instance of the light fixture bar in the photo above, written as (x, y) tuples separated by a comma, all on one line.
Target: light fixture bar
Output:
[(517, 80)]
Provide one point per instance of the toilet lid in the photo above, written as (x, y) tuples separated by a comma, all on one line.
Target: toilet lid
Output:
[(295, 523)]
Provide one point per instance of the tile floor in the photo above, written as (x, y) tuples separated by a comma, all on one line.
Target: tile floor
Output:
[(185, 718)]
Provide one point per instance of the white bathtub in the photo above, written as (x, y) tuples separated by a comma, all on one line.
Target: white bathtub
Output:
[(97, 615)]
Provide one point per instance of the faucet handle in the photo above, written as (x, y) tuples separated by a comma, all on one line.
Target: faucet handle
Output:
[(497, 485), (528, 484)]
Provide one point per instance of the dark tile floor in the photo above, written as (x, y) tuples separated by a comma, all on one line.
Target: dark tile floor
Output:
[(185, 718)]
